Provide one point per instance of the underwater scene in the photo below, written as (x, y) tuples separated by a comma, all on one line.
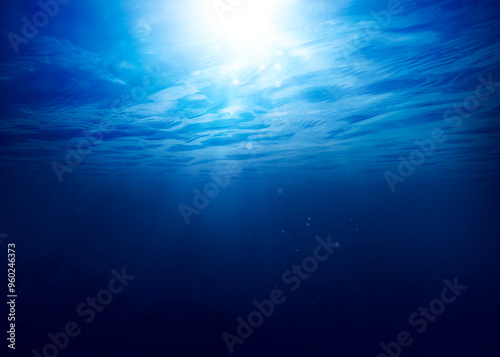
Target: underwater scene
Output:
[(250, 178)]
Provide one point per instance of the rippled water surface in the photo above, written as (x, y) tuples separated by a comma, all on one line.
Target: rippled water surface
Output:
[(319, 86), (205, 145)]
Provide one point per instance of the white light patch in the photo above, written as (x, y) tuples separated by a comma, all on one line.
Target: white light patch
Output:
[(246, 20)]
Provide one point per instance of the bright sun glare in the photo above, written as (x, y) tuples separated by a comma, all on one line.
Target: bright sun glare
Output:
[(246, 20)]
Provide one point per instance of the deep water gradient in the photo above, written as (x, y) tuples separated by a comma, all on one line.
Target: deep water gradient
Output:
[(176, 175)]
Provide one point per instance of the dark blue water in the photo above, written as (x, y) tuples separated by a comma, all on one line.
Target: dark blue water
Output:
[(250, 178)]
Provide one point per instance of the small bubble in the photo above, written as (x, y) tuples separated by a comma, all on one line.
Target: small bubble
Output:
[(282, 231), (308, 224), (249, 146), (356, 228), (297, 250), (280, 190), (278, 66), (262, 67), (279, 53), (308, 218), (277, 84), (236, 82)]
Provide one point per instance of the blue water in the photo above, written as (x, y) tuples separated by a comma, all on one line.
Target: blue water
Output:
[(207, 151)]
